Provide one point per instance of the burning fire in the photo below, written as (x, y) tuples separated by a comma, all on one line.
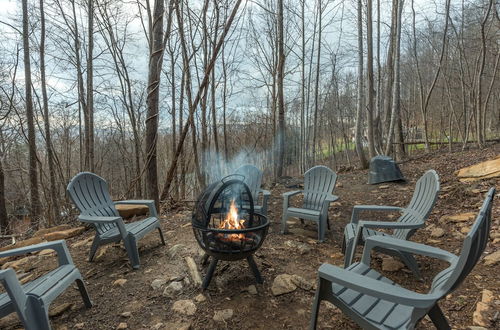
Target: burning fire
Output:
[(232, 222)]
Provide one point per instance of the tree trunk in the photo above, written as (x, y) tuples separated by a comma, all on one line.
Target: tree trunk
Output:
[(89, 160), (363, 163), (396, 102), (371, 86), (155, 64), (4, 220), (281, 99), (54, 202), (33, 173)]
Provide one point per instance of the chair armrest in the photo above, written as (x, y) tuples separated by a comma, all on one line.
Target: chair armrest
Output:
[(14, 289), (95, 219), (357, 209), (406, 246), (331, 198), (265, 192), (291, 193), (389, 224), (287, 195), (375, 288), (59, 246), (148, 202)]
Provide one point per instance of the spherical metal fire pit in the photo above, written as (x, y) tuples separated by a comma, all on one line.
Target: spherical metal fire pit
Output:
[(226, 226)]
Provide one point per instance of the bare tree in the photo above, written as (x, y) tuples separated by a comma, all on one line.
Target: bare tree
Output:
[(361, 94), (33, 167), (281, 99)]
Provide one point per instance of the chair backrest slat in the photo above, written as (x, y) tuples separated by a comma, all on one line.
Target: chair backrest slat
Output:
[(473, 247), (91, 196), (319, 182), (253, 178), (423, 200)]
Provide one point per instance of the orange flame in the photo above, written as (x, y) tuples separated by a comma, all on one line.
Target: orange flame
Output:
[(232, 222)]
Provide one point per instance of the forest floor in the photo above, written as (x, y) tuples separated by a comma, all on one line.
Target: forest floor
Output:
[(137, 305)]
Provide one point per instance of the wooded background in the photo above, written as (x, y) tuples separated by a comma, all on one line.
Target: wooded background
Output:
[(161, 97)]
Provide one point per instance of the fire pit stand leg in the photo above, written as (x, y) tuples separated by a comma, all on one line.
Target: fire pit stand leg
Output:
[(210, 273), (255, 270)]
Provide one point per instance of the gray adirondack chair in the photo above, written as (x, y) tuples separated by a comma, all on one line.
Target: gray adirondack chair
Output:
[(91, 196), (31, 301), (412, 217), (375, 302), (253, 179), (319, 183)]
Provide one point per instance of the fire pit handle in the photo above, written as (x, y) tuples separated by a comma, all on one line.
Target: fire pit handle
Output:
[(230, 176)]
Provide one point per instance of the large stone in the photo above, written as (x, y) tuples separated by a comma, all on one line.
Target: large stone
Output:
[(175, 250), (302, 282), (122, 325), (120, 282), (158, 283), (252, 289), (483, 170), (42, 232), (437, 232), (18, 264), (185, 307), (130, 210), (302, 248), (462, 217), (65, 234), (492, 259), (223, 315), (193, 271), (480, 316), (172, 289), (390, 264), (283, 284)]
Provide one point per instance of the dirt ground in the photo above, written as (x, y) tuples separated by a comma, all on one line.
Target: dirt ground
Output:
[(140, 306)]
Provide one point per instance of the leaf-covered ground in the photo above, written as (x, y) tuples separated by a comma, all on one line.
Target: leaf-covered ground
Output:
[(137, 305)]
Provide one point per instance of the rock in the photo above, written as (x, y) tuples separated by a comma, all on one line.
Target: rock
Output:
[(122, 325), (18, 264), (462, 217), (46, 252), (437, 232), (129, 210), (480, 316), (283, 284), (42, 232), (186, 307), (158, 325), (193, 271), (390, 264), (302, 248), (492, 259), (175, 250), (252, 289), (83, 242), (223, 315), (29, 241), (471, 327), (301, 282), (200, 298), (158, 283), (385, 186), (119, 282), (80, 325), (65, 234), (59, 310), (483, 170), (126, 314), (172, 289)]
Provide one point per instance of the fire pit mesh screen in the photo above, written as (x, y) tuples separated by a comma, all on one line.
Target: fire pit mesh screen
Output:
[(224, 221)]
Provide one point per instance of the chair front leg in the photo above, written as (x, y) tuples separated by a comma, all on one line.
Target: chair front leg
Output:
[(284, 216), (350, 252), (132, 251), (318, 297)]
